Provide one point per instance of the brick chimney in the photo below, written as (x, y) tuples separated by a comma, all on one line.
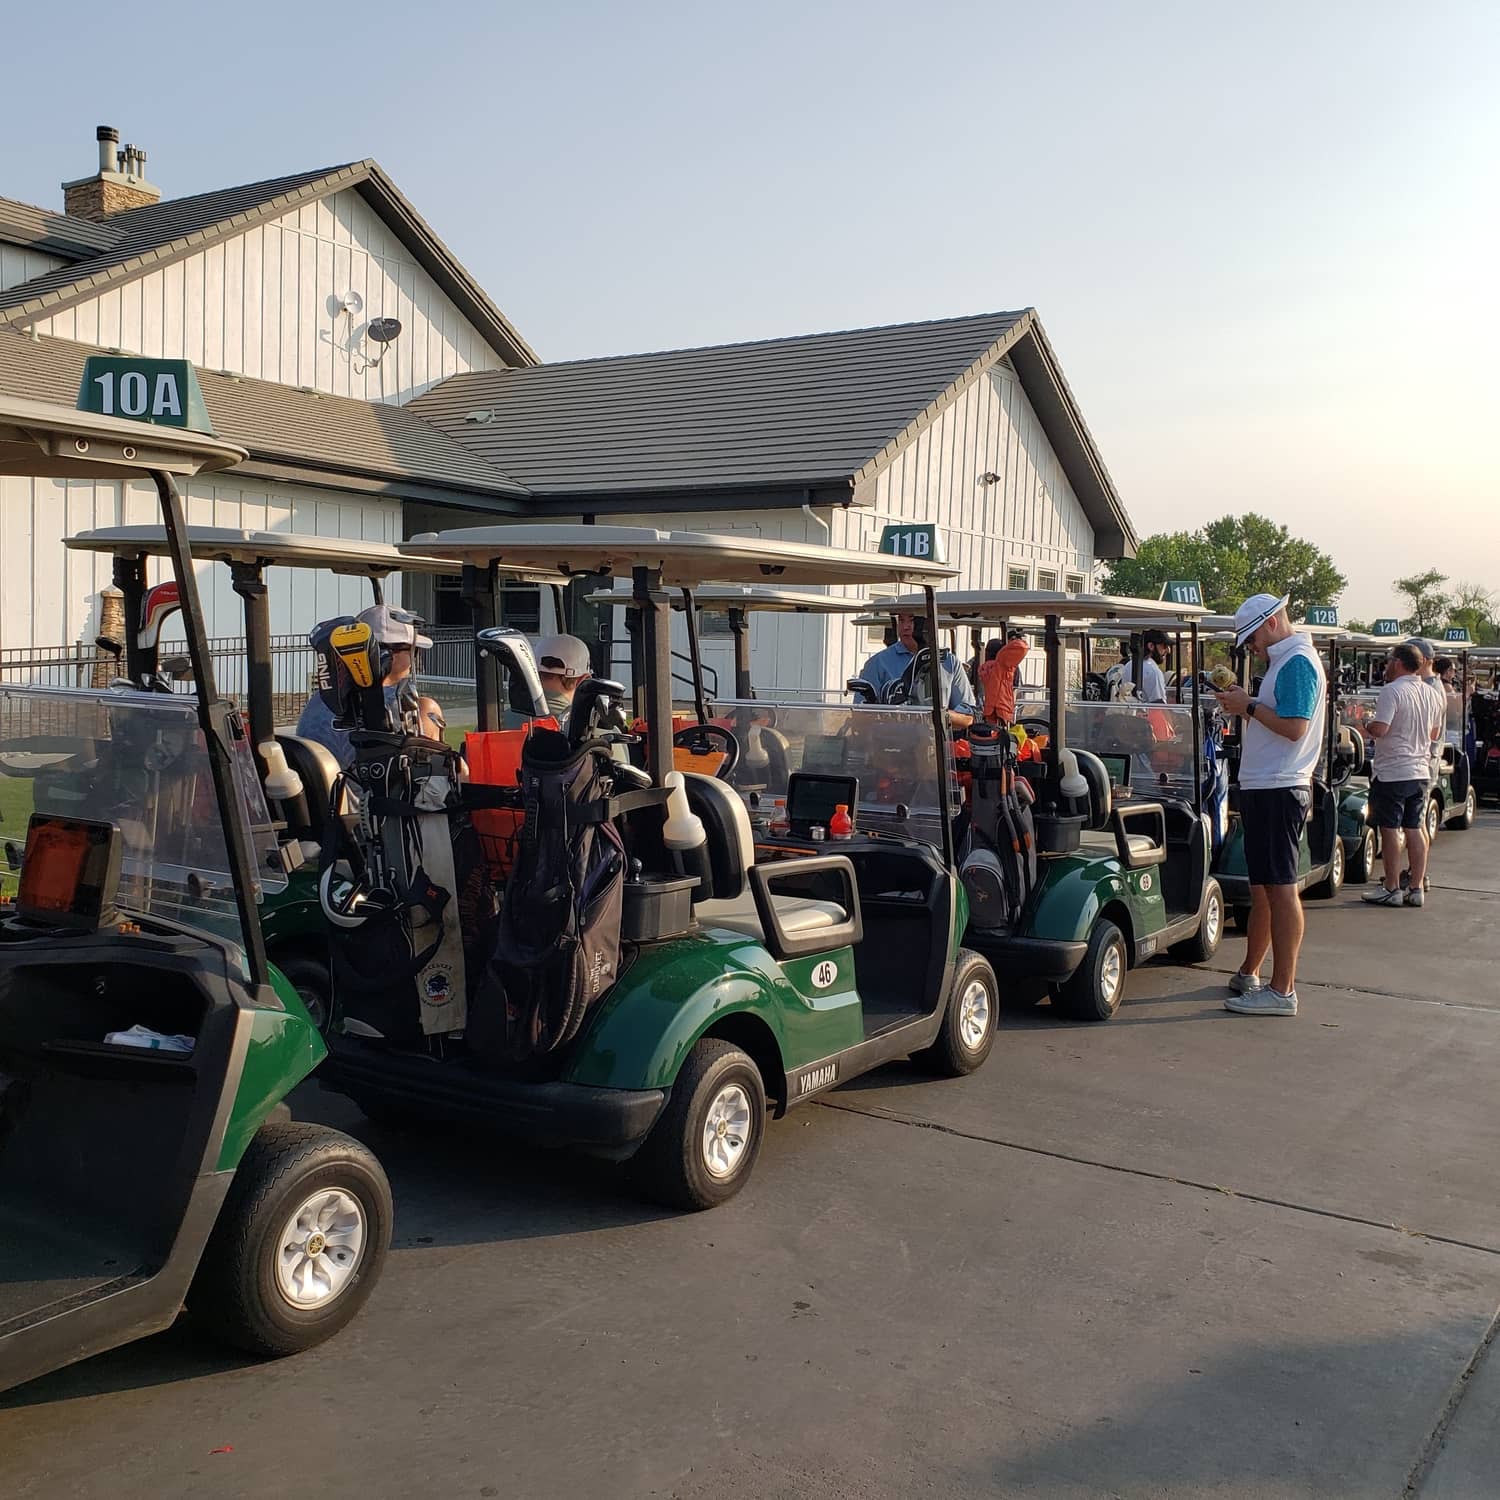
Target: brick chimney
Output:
[(119, 183)]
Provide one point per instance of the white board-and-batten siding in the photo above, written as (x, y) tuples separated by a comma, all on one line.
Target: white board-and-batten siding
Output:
[(50, 595), (267, 303), (18, 264)]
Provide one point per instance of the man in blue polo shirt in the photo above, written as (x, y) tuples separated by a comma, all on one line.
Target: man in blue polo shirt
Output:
[(889, 665), (1279, 751)]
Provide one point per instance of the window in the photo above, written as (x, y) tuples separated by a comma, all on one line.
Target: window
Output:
[(1075, 583), (713, 624), (1046, 578), (1018, 577), (521, 606)]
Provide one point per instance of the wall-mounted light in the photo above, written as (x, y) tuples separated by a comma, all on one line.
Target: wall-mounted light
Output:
[(989, 477)]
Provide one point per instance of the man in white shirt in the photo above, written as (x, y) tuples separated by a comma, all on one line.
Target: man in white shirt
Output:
[(1155, 647), (1280, 748), (1407, 728)]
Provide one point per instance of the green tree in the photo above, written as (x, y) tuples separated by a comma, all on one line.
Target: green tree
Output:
[(1473, 606), (1232, 558), (1362, 627), (1427, 598)]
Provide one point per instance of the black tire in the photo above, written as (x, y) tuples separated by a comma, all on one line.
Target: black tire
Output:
[(1359, 866), (312, 979), (671, 1166), (1204, 943), (951, 1055), (1242, 919), (1088, 995), (235, 1294), (1464, 817), (1333, 882)]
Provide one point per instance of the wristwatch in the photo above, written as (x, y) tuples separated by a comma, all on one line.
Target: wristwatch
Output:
[(1250, 708)]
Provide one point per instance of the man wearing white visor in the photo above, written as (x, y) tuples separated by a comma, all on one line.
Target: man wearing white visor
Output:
[(1282, 741)]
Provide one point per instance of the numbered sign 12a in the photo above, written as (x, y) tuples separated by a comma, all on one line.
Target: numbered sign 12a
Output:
[(919, 540), (1322, 614), (1182, 591), (164, 392), (1386, 627)]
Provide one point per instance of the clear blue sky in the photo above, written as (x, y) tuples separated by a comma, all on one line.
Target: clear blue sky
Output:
[(1262, 238)]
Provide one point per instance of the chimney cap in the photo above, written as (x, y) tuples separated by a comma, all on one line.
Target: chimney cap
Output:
[(106, 133)]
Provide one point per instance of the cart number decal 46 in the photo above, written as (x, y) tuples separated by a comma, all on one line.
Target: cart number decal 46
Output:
[(824, 974), (817, 1078)]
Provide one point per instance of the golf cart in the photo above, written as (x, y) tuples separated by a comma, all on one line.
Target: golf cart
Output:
[(1482, 728), (147, 1160), (755, 968), (1092, 855), (297, 773)]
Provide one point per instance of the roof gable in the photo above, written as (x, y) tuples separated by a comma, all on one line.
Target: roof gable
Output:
[(159, 233)]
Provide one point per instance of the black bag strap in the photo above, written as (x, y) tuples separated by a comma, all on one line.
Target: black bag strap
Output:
[(606, 809)]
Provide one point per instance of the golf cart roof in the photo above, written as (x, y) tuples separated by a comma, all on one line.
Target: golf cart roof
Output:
[(1474, 653), (974, 606), (43, 440), (720, 598), (688, 558), (1321, 632), (1363, 638), (265, 548)]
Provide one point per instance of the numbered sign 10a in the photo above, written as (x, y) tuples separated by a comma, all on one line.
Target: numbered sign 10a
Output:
[(164, 392)]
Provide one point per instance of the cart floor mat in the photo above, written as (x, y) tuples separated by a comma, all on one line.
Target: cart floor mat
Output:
[(40, 1266), (886, 1012)]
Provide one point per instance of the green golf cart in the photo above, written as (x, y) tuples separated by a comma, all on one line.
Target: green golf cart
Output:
[(147, 1159), (1111, 807), (759, 966)]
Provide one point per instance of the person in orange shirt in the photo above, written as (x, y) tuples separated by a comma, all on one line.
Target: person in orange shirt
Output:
[(997, 677)]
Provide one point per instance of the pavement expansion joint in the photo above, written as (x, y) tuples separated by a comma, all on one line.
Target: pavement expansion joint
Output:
[(1416, 1478), (893, 1117)]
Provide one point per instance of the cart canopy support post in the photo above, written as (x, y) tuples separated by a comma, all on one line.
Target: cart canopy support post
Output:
[(655, 613), (1057, 671), (477, 589), (695, 656), (739, 625), (248, 580), (213, 719), (939, 719), (130, 578), (1192, 671)]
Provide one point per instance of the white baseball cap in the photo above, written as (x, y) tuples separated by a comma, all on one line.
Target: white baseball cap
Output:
[(392, 626), (564, 655), (1254, 613)]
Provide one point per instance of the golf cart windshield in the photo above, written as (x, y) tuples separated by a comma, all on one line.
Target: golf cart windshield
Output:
[(889, 752), (1155, 739), (137, 761)]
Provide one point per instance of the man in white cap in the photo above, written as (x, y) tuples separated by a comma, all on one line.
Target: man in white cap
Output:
[(562, 662), (396, 631), (1280, 747)]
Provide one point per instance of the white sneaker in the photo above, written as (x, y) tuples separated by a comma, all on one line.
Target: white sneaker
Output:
[(1244, 984), (1380, 896), (1263, 1002), (1415, 898)]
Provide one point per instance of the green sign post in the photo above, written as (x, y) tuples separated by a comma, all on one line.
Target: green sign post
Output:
[(1386, 628), (164, 392), (1181, 591), (919, 539), (1322, 614)]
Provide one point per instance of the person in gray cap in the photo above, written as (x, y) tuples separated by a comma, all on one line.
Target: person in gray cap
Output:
[(396, 631), (562, 662), (1279, 751)]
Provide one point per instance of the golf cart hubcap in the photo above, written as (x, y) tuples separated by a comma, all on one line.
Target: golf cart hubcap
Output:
[(1109, 973), (974, 1014), (726, 1130), (1212, 918), (320, 1248)]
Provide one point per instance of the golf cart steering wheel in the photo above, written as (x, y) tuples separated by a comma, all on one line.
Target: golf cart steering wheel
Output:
[(706, 739), (1035, 726)]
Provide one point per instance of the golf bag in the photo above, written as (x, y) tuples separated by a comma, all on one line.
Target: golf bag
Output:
[(997, 860), (401, 881), (558, 946)]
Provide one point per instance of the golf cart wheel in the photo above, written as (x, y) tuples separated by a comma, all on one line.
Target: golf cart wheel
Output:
[(1432, 819), (299, 1243), (701, 1151), (1333, 882), (1464, 817), (1360, 864), (1204, 943), (1098, 985), (310, 977), (969, 1019)]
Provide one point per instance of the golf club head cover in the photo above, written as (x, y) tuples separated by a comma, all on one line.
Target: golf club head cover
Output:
[(592, 701), (512, 650)]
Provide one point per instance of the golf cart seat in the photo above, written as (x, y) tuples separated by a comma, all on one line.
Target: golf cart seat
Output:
[(1102, 841), (730, 902), (316, 765)]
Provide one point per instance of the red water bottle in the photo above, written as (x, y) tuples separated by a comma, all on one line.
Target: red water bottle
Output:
[(781, 824), (841, 825)]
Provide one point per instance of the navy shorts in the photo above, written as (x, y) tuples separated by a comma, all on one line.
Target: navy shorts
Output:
[(1273, 818), (1398, 804)]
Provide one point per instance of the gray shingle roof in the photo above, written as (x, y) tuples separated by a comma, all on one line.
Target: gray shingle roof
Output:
[(821, 412), (789, 411), (284, 426), (163, 232), (54, 234)]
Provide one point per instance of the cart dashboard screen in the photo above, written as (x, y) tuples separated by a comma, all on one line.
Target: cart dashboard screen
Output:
[(813, 799), (70, 873)]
